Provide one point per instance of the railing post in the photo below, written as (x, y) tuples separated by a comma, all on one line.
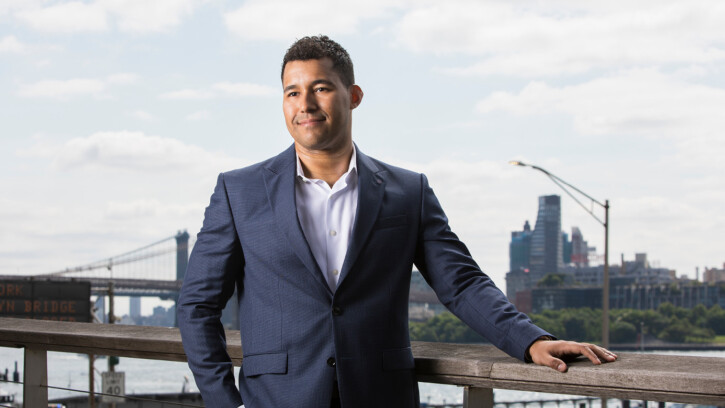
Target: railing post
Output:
[(35, 378), (475, 397)]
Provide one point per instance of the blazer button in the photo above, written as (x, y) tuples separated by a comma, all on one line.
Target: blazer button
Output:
[(336, 310), (331, 362)]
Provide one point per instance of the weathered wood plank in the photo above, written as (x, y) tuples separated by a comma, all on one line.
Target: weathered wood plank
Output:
[(635, 372), (633, 376)]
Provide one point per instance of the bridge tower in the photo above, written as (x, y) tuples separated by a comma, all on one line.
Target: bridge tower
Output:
[(182, 254)]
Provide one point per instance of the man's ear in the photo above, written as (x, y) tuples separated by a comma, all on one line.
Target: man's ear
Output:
[(356, 95)]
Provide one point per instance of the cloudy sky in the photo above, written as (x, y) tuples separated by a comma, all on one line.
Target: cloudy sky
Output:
[(117, 116)]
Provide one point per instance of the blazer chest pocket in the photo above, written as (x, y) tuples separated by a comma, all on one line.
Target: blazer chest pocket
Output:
[(391, 222), (257, 364), (398, 359)]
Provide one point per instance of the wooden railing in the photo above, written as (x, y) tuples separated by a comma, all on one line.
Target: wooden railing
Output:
[(479, 369)]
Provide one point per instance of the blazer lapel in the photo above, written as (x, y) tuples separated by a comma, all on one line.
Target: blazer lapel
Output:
[(371, 185), (279, 179)]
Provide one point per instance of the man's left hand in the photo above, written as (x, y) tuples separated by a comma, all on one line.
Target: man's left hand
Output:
[(549, 353)]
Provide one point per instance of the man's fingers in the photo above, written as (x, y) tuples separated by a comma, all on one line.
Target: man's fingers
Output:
[(557, 365), (586, 351), (604, 354)]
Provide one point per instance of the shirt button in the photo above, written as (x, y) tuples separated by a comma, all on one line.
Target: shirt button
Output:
[(336, 310), (331, 362), (335, 272), (333, 232)]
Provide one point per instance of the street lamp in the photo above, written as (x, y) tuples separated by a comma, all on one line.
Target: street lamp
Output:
[(605, 284)]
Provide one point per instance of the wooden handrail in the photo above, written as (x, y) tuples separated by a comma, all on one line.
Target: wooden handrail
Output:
[(651, 377)]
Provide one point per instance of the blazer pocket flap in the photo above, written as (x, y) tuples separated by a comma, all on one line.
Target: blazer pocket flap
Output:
[(398, 359), (256, 364), (389, 222)]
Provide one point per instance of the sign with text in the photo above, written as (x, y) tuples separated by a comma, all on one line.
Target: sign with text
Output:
[(46, 300), (113, 383)]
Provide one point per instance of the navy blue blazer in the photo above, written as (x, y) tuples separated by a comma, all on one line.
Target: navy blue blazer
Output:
[(297, 335)]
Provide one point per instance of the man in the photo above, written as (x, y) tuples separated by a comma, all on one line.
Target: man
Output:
[(319, 242)]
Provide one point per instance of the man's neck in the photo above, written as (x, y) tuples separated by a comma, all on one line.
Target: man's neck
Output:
[(324, 165)]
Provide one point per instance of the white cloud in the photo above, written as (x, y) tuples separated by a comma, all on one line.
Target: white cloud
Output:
[(124, 78), (631, 102), (10, 44), (76, 87), (66, 18), (136, 151), (540, 39), (199, 115), (63, 89), (286, 20), (187, 94), (146, 208), (231, 89), (142, 16), (243, 89), (135, 16), (142, 115)]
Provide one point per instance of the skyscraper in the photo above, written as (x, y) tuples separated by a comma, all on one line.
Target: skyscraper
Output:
[(579, 248), (546, 243), (520, 248)]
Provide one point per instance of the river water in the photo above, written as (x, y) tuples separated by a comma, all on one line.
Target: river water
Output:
[(69, 370)]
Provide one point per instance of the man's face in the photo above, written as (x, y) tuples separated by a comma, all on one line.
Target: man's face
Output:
[(318, 106)]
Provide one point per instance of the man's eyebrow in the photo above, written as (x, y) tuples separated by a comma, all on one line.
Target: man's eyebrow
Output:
[(315, 82), (322, 81)]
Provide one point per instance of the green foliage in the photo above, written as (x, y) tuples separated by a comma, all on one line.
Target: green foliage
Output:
[(715, 320), (552, 280), (550, 324), (622, 332), (444, 328), (668, 322)]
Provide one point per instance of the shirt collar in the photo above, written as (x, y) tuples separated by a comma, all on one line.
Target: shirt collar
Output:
[(348, 173)]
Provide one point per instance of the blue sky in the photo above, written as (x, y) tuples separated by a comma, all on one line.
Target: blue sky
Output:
[(117, 115)]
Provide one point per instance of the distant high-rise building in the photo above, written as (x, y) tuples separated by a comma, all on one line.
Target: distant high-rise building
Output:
[(565, 248), (520, 248), (134, 306), (714, 275), (579, 248), (546, 243)]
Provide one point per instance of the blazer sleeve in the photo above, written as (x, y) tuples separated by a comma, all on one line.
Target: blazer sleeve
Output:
[(215, 266), (447, 265)]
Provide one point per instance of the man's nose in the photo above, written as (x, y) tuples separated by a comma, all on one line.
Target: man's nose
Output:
[(309, 102)]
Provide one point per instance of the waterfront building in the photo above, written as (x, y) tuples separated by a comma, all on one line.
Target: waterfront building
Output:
[(134, 307), (714, 275), (579, 248), (566, 248), (517, 281), (546, 244), (520, 248)]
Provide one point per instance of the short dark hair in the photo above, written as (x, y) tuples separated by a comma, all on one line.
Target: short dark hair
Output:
[(319, 47)]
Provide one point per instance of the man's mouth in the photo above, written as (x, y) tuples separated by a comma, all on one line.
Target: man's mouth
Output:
[(310, 121)]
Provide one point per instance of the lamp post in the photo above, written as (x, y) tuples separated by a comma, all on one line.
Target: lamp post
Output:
[(605, 284)]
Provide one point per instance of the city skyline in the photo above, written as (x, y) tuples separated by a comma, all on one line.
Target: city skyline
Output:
[(117, 117)]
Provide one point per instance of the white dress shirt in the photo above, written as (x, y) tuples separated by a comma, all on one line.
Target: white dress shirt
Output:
[(327, 215)]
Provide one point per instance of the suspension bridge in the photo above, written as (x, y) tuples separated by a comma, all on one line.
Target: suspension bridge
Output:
[(156, 269)]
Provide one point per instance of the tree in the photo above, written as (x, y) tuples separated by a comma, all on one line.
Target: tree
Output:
[(715, 320), (623, 332)]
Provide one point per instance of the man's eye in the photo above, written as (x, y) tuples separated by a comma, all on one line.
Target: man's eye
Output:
[(320, 89), (293, 94)]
